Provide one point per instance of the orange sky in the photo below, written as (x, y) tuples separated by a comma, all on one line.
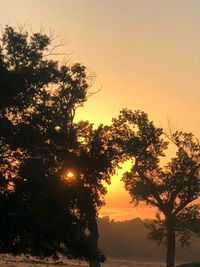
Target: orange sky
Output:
[(146, 55), (118, 206)]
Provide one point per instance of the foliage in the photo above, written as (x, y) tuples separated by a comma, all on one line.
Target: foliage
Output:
[(186, 226), (170, 188), (44, 212), (38, 102)]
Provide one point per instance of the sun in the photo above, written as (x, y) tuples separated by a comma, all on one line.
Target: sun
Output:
[(70, 174)]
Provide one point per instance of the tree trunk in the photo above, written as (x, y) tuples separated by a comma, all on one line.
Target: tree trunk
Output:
[(170, 242), (94, 235), (94, 264)]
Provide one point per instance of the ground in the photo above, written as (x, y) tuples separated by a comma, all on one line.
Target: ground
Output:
[(6, 261)]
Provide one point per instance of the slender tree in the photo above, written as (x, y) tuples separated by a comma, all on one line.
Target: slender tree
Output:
[(172, 188)]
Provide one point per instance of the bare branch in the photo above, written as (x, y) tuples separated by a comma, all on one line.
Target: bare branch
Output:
[(95, 92)]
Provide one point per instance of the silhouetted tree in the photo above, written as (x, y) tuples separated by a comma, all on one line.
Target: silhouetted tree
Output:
[(47, 213), (172, 188), (38, 103)]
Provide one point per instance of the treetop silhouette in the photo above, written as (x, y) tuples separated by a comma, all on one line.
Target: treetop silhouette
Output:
[(170, 188)]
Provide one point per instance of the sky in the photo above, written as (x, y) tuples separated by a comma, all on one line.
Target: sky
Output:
[(145, 55)]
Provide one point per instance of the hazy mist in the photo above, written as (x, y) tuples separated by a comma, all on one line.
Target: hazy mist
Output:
[(128, 240)]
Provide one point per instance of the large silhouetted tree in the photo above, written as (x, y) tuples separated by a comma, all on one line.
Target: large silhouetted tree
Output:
[(46, 212), (172, 188), (38, 102)]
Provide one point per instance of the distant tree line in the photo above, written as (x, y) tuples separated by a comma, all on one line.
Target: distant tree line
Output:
[(46, 212), (129, 240)]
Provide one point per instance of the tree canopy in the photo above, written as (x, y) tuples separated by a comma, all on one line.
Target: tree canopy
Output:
[(171, 188), (38, 142)]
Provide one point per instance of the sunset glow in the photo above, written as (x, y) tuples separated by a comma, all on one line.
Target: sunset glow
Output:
[(145, 55)]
